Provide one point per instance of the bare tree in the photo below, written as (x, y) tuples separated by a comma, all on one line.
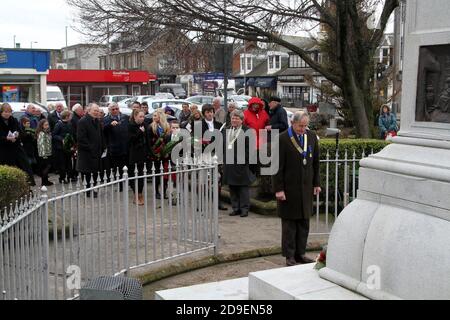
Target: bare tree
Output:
[(345, 38)]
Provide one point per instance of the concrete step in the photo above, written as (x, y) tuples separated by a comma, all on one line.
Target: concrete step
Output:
[(295, 283), (236, 289)]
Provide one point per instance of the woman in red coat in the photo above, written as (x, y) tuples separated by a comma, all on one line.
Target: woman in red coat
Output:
[(255, 117)]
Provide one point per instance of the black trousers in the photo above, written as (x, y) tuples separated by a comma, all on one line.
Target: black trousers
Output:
[(294, 237), (87, 176), (140, 182), (240, 198), (44, 165), (157, 165), (64, 164), (118, 162)]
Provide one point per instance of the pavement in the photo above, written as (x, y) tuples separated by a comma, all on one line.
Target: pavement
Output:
[(237, 235), (256, 237)]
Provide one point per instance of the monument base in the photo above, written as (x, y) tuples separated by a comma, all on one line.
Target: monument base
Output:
[(394, 240)]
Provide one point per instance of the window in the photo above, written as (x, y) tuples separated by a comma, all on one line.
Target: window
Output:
[(296, 62), (102, 63), (135, 60), (246, 63), (163, 64), (274, 63), (296, 92), (270, 62), (122, 62)]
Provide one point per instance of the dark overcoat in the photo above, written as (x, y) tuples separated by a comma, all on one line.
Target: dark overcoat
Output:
[(90, 145), (296, 179), (9, 150), (116, 137), (138, 144), (235, 174)]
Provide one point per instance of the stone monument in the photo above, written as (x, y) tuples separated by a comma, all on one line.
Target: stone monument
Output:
[(393, 242)]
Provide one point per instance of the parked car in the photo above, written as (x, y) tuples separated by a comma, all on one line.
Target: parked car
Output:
[(200, 100), (19, 108), (54, 95), (126, 103), (174, 88), (175, 104), (241, 101), (164, 95), (124, 110), (105, 100)]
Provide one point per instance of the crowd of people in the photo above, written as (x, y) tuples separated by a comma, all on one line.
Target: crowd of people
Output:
[(85, 142)]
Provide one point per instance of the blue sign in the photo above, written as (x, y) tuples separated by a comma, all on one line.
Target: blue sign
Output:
[(25, 59), (200, 77)]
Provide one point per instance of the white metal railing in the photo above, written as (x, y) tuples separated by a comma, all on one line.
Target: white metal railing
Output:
[(340, 178), (47, 244)]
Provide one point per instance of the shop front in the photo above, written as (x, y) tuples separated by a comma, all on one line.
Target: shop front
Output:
[(23, 75), (85, 86)]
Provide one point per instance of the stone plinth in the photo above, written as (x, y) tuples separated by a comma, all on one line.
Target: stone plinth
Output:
[(393, 242)]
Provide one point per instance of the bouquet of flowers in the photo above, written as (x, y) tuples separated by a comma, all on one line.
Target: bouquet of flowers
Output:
[(167, 149), (68, 143), (155, 150), (321, 260)]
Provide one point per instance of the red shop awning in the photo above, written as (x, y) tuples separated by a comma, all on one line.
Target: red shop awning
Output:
[(99, 76)]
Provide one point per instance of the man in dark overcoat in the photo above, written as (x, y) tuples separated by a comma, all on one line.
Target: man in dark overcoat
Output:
[(236, 169), (116, 136), (90, 145), (295, 185)]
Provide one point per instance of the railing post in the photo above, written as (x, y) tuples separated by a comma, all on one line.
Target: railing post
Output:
[(216, 206), (125, 220), (45, 240)]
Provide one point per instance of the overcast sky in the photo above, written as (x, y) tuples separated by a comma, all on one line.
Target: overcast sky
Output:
[(43, 21)]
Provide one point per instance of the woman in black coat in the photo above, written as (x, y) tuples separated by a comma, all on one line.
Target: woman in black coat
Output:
[(138, 152), (63, 145), (11, 150)]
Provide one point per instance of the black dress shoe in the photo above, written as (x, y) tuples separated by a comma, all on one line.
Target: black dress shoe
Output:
[(244, 214), (290, 262), (234, 213), (303, 259), (158, 196)]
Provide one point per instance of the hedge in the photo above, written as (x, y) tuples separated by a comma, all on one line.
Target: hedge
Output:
[(351, 145), (357, 145), (13, 185)]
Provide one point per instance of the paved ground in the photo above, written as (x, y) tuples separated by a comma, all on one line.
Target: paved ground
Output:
[(220, 272), (236, 235)]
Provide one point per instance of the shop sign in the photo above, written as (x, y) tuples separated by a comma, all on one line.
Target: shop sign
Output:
[(292, 78)]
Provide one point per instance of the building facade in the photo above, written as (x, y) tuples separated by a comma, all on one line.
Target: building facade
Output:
[(23, 75), (85, 86), (81, 57)]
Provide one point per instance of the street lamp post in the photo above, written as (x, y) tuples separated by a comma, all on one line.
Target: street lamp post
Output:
[(14, 45), (31, 44)]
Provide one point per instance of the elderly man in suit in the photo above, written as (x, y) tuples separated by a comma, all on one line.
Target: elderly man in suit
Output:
[(295, 184), (116, 136), (91, 145)]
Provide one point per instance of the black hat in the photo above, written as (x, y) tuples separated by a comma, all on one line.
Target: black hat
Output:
[(274, 98)]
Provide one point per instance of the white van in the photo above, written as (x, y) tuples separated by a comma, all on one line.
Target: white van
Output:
[(54, 95)]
